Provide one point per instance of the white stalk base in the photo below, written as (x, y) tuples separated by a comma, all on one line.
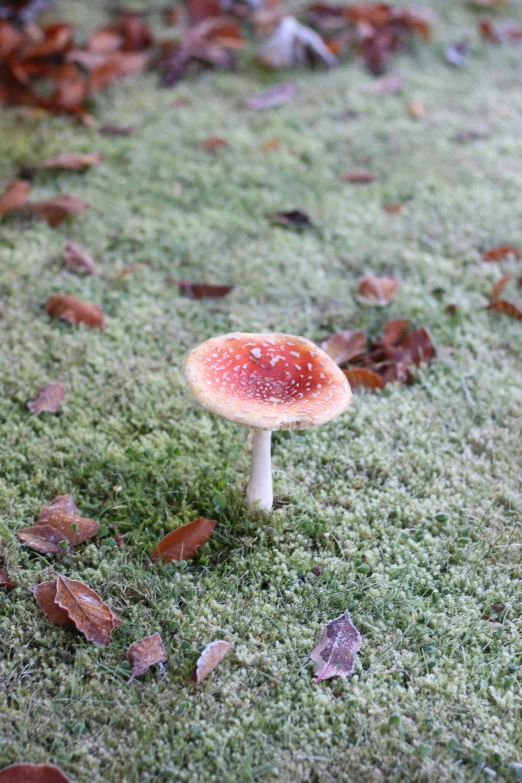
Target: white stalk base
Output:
[(259, 491)]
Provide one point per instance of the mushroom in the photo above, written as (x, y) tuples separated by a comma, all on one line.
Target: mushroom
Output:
[(266, 382)]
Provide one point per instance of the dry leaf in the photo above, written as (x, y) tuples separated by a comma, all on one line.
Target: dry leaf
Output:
[(73, 161), (201, 290), (42, 538), (377, 290), (270, 145), (116, 130), (63, 515), (294, 218), (393, 207), (15, 196), (45, 595), (394, 331), (213, 143), (506, 308), (292, 43), (360, 376), (76, 258), (115, 66), (504, 31), (57, 209), (67, 308), (185, 541), (5, 582), (344, 346), (334, 654), (211, 656), (417, 344), (416, 109), (357, 177), (498, 287), (501, 252), (273, 96), (86, 609), (127, 271), (145, 653), (49, 399), (32, 773)]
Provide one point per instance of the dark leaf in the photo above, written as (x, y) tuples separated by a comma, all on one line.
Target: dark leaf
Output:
[(116, 130), (63, 515), (57, 209), (185, 541), (210, 658), (498, 287), (360, 376), (506, 308), (45, 595), (5, 582), (73, 161), (90, 614), (294, 218), (213, 143), (393, 207), (357, 177), (501, 252), (67, 308), (32, 773), (15, 196), (417, 344), (394, 331), (145, 653), (48, 399), (345, 346), (273, 96), (42, 538), (202, 290), (334, 654)]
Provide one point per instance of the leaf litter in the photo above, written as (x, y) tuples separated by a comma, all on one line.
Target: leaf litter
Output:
[(334, 653), (185, 541), (49, 399), (78, 259), (75, 311), (57, 523), (211, 656), (145, 653)]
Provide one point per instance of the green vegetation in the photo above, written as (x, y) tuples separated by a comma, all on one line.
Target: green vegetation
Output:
[(409, 503)]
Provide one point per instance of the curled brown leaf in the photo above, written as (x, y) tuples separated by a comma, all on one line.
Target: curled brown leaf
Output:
[(73, 161), (5, 582), (361, 377), (501, 252)]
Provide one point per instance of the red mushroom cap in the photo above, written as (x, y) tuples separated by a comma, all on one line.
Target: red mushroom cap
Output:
[(269, 381)]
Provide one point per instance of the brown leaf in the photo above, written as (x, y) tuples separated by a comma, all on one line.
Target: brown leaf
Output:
[(200, 10), (116, 66), (32, 773), (357, 177), (90, 614), (344, 346), (360, 376), (42, 538), (292, 43), (393, 207), (377, 290), (5, 582), (15, 196), (506, 308), (501, 252), (294, 218), (213, 143), (73, 161), (63, 515), (417, 344), (270, 145), (57, 209), (185, 541), (334, 653), (201, 290), (416, 109), (145, 653), (78, 259), (48, 399), (67, 308), (273, 96), (211, 656), (504, 31), (116, 130), (498, 287), (45, 595), (127, 271), (394, 331)]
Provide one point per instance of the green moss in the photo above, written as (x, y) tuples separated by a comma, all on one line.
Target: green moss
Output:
[(409, 503)]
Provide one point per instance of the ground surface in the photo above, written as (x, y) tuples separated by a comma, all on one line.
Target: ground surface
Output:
[(435, 694)]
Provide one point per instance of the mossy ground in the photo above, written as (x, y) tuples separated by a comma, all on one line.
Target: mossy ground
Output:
[(435, 694)]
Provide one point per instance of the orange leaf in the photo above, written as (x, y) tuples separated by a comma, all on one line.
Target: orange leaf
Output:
[(127, 271), (32, 773), (76, 258), (48, 399), (506, 308), (67, 308), (394, 331), (5, 581), (14, 196), (501, 252), (73, 161), (45, 595), (357, 177), (211, 656), (145, 653), (89, 613), (344, 346), (57, 209), (377, 290), (360, 376), (185, 541), (498, 287), (201, 290)]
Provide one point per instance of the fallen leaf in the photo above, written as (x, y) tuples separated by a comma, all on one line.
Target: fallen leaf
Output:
[(200, 46), (457, 53), (201, 290), (357, 177), (185, 541), (498, 287), (57, 209), (273, 96), (67, 308), (294, 218), (292, 43), (334, 654), (504, 31), (32, 773), (15, 196), (394, 331), (393, 207), (45, 595), (417, 344), (127, 271), (78, 259), (90, 614), (73, 161), (506, 308), (145, 653), (271, 145), (63, 516), (211, 656), (344, 346), (5, 582), (360, 376), (416, 109), (501, 252), (116, 130), (55, 39), (200, 10), (213, 143), (377, 290), (42, 538), (48, 399), (115, 66)]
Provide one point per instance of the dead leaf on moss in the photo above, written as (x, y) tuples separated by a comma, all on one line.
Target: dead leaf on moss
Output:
[(32, 773), (394, 331), (357, 177), (501, 253), (377, 290), (78, 259), (270, 145), (5, 582), (68, 308), (295, 219), (498, 287), (127, 271), (63, 515), (334, 654), (345, 346), (116, 130), (416, 109), (15, 196), (42, 538), (393, 207), (362, 377), (45, 595), (273, 96), (48, 399), (145, 653), (185, 541), (503, 31), (211, 656), (292, 43), (201, 290), (91, 616), (506, 308), (57, 209), (213, 143), (73, 161)]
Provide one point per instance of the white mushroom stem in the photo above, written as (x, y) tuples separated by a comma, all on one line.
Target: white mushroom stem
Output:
[(259, 491)]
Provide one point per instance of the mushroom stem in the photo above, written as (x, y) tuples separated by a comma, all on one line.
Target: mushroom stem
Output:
[(259, 491)]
